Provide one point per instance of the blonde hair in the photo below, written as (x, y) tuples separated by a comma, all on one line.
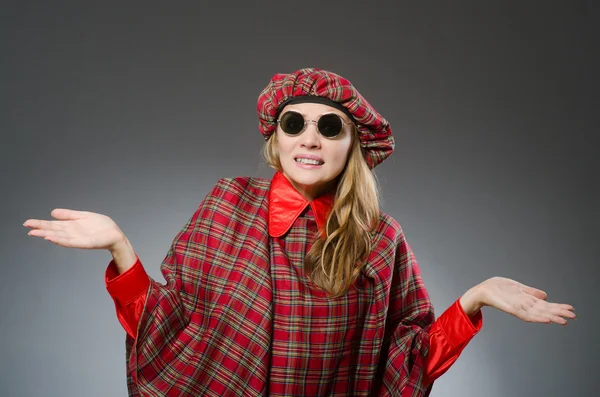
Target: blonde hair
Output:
[(336, 258)]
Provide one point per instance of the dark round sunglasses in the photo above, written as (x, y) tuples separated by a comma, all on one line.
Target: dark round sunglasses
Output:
[(329, 125)]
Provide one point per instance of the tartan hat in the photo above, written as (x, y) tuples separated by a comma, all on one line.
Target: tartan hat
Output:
[(321, 86)]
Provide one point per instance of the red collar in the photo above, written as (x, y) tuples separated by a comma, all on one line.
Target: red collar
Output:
[(286, 204)]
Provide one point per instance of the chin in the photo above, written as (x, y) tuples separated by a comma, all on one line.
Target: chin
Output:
[(308, 178)]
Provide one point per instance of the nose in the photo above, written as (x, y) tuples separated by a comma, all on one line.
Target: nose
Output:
[(310, 138)]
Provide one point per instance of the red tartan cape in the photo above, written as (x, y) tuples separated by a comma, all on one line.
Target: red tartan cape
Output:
[(207, 331)]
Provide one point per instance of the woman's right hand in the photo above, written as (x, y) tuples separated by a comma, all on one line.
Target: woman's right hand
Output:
[(77, 229), (85, 230)]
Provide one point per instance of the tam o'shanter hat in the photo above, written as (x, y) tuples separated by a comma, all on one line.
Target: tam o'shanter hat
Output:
[(321, 86)]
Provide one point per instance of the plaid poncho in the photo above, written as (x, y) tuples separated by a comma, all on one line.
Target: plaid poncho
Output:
[(237, 316)]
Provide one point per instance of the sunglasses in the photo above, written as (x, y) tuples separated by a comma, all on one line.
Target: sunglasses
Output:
[(329, 125)]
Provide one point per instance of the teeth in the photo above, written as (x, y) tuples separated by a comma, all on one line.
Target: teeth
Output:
[(308, 161)]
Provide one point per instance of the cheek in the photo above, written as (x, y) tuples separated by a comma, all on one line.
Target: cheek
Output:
[(280, 144), (284, 148), (284, 144), (343, 151)]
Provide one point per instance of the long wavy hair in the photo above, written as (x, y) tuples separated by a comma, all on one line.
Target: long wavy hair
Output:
[(339, 253)]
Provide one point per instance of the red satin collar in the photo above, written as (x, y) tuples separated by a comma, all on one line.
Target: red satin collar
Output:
[(286, 204)]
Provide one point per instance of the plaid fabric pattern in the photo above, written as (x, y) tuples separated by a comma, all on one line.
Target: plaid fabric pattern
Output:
[(374, 131), (237, 316)]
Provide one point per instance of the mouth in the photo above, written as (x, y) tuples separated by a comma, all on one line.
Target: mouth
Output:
[(308, 161)]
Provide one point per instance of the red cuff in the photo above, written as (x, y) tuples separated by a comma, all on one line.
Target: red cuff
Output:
[(126, 287), (458, 327)]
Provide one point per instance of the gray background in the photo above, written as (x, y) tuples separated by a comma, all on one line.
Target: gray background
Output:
[(135, 111)]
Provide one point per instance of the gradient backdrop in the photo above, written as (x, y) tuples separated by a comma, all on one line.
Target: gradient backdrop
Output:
[(135, 111)]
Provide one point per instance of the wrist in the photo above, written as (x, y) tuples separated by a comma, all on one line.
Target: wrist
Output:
[(473, 300), (119, 246), (123, 254)]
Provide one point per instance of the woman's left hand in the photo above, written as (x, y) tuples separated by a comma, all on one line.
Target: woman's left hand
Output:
[(524, 302)]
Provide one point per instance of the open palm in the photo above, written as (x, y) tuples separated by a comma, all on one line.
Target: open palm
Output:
[(524, 302), (76, 229)]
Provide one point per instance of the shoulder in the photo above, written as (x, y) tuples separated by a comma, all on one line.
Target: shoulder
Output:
[(389, 229), (241, 195), (241, 187), (245, 184)]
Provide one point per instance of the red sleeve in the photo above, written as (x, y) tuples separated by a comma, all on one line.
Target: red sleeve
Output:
[(129, 291), (449, 335)]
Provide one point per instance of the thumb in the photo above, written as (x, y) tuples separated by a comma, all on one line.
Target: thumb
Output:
[(66, 214), (538, 293)]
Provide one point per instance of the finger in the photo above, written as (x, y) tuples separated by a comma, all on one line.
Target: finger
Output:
[(547, 319), (60, 241), (562, 306), (31, 223), (37, 233), (544, 312), (567, 314), (42, 224), (47, 233), (538, 293), (532, 317), (557, 320), (67, 214), (549, 312), (561, 310), (565, 306)]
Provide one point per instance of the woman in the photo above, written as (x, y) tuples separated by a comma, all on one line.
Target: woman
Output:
[(295, 286)]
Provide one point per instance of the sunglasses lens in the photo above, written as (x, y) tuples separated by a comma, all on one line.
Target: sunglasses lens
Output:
[(330, 125), (292, 123)]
